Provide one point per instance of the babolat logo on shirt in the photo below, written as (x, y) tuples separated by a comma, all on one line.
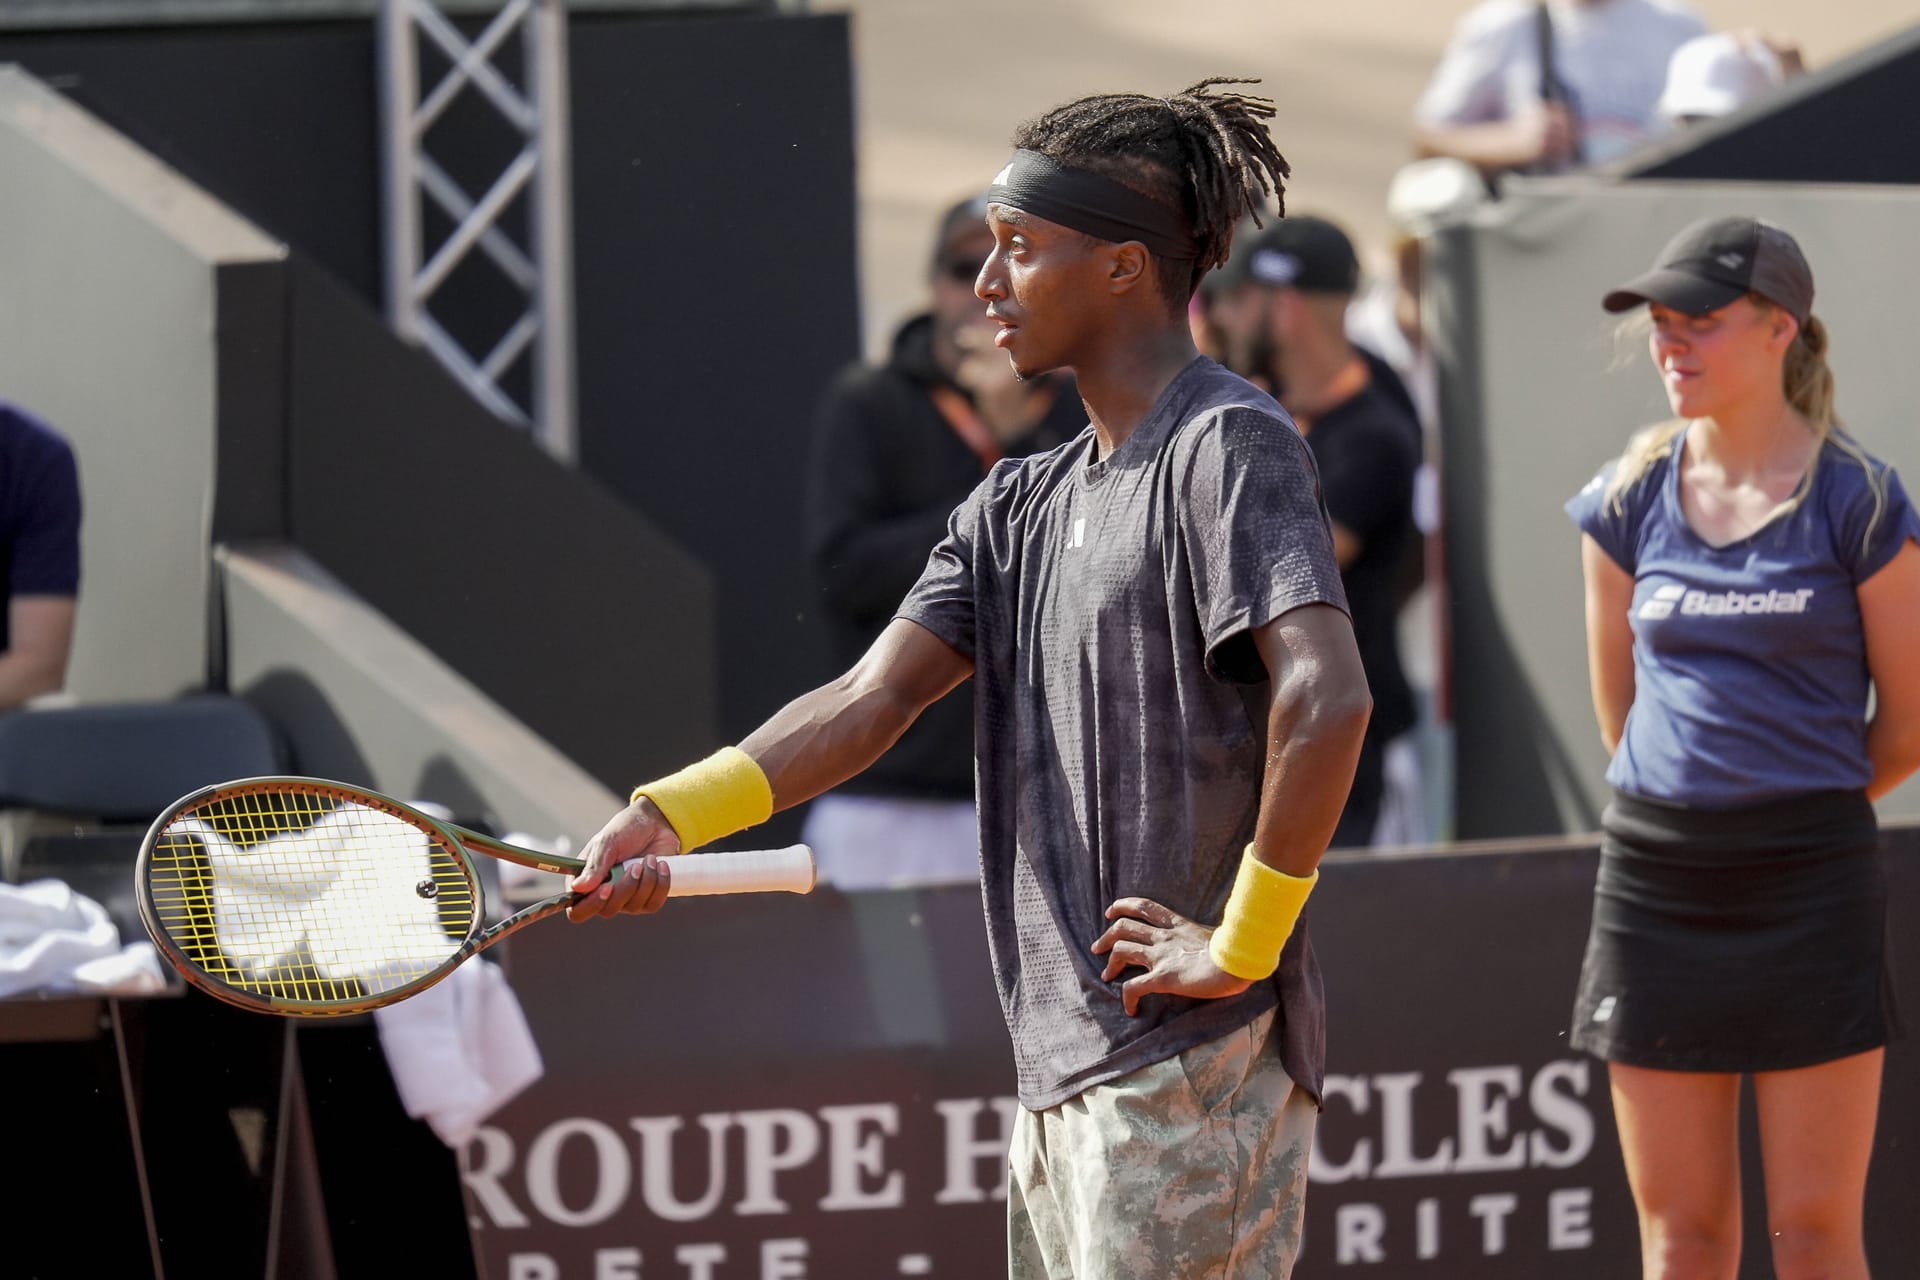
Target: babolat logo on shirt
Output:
[(1715, 604)]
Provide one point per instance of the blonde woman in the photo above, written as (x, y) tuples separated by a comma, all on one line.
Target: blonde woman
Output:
[(1751, 579)]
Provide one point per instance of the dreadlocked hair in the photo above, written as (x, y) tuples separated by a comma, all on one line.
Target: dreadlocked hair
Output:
[(1207, 154)]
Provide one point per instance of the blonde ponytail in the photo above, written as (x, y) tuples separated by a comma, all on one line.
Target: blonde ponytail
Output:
[(1808, 380)]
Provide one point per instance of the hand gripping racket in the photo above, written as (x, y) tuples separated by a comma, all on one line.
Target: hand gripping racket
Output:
[(304, 897)]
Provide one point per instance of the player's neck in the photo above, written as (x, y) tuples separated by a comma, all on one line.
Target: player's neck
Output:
[(1121, 384)]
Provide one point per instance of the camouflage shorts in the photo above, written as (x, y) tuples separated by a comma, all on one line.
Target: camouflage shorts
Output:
[(1194, 1168)]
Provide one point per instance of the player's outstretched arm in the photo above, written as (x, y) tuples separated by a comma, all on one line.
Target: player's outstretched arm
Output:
[(815, 742)]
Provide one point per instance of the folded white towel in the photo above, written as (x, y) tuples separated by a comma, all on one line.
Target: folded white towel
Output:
[(47, 932), (459, 1050), (135, 970)]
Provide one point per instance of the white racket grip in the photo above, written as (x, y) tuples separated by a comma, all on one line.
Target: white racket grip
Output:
[(788, 870)]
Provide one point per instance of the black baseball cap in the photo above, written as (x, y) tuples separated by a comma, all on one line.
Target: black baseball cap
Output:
[(968, 214), (1301, 252), (1717, 260)]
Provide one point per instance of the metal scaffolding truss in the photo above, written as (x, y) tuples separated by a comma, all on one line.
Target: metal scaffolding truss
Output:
[(524, 374)]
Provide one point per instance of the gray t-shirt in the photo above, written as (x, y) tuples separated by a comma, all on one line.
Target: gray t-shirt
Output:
[(1120, 710)]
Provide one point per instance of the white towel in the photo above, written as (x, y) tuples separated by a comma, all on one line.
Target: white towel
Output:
[(459, 1050), (54, 939), (134, 970)]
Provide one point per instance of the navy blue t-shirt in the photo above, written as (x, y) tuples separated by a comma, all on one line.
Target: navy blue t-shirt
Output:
[(1750, 667), (39, 511)]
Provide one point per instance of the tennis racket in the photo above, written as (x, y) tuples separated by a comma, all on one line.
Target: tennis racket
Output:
[(304, 897)]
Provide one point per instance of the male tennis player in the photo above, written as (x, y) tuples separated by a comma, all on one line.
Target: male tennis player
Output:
[(1170, 706)]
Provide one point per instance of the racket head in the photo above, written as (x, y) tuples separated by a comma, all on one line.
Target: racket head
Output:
[(305, 897)]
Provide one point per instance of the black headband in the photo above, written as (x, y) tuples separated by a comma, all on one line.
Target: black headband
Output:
[(1089, 203)]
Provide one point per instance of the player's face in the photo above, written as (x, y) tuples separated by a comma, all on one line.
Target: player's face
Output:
[(1044, 286), (1717, 362)]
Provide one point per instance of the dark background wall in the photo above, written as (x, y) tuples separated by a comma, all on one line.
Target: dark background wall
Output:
[(714, 251), (1460, 1137), (1852, 121)]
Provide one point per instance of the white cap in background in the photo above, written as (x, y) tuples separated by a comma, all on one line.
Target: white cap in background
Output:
[(1715, 75), (1426, 193)]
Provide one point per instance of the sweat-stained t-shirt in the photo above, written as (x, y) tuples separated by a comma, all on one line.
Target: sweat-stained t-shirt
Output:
[(1108, 607)]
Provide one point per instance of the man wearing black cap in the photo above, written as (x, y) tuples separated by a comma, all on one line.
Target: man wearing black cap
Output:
[(1284, 295), (896, 448)]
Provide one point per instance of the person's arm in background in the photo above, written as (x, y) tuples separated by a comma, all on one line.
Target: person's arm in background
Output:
[(1890, 618), (44, 573), (1609, 598), (40, 637), (1469, 113), (1542, 134)]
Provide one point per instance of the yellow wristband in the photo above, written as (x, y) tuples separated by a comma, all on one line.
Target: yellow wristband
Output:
[(1261, 912), (725, 793)]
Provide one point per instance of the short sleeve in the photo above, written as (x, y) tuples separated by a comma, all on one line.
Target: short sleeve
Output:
[(1614, 525), (46, 530), (943, 600), (1256, 534), (1470, 83), (1872, 531)]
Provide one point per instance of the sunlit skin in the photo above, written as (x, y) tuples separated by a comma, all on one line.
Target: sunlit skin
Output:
[(1746, 447), (1727, 361), (1064, 300), (1032, 267)]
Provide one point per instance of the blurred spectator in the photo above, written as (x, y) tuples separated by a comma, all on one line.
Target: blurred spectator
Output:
[(1715, 75), (1388, 317), (896, 448), (1286, 301), (39, 555), (1230, 323), (1551, 86), (1226, 318)]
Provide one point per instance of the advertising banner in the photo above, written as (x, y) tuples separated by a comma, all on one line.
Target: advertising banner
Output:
[(777, 1088)]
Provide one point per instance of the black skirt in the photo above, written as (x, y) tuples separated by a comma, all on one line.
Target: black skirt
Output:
[(1734, 941)]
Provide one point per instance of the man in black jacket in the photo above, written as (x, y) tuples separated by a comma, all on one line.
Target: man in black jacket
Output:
[(897, 446)]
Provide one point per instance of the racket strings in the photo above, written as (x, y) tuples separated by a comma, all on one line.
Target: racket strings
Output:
[(309, 896)]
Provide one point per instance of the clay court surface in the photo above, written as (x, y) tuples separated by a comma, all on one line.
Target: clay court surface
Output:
[(940, 84)]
